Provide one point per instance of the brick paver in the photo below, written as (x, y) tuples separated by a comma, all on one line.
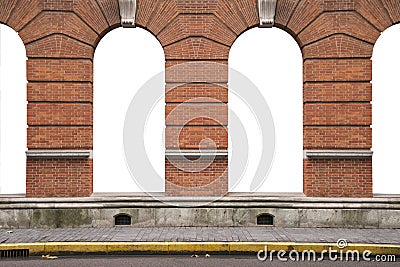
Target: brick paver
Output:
[(201, 234)]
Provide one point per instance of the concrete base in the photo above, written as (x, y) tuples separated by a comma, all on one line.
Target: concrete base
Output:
[(233, 210)]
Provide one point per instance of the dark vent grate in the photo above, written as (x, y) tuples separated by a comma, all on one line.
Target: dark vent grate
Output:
[(122, 219), (14, 253), (265, 219)]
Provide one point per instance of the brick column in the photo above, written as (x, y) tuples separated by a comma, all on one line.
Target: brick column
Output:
[(59, 117), (196, 118), (196, 109)]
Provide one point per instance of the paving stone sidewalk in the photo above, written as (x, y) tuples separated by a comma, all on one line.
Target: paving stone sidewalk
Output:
[(201, 234)]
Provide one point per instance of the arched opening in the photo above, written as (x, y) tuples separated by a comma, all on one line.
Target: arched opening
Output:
[(272, 60), (124, 60), (386, 111), (13, 112)]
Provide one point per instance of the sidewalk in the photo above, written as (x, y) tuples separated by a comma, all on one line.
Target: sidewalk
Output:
[(202, 234), (190, 239)]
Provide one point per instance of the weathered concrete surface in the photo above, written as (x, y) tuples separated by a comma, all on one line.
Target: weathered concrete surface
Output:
[(229, 211), (352, 218)]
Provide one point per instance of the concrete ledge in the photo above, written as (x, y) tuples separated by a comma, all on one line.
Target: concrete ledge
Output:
[(337, 154), (54, 154), (196, 153), (249, 201), (55, 248)]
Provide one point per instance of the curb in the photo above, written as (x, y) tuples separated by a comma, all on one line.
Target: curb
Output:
[(191, 247)]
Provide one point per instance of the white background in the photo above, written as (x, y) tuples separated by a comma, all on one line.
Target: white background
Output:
[(127, 58)]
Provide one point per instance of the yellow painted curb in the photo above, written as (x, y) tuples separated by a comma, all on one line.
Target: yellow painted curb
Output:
[(182, 247), (198, 247), (160, 247), (75, 247)]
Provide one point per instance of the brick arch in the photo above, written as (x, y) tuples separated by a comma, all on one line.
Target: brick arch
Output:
[(17, 14), (206, 25)]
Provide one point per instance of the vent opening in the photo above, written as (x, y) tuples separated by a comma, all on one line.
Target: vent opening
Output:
[(14, 253), (265, 219), (122, 219)]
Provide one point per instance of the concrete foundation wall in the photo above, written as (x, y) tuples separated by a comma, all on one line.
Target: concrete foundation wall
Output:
[(229, 211)]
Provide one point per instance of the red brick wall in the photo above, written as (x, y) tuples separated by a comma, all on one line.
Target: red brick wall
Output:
[(211, 181), (59, 177), (338, 177), (336, 38)]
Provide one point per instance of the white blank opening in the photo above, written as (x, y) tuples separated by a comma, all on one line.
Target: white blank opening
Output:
[(124, 60), (12, 112), (386, 112), (272, 60)]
